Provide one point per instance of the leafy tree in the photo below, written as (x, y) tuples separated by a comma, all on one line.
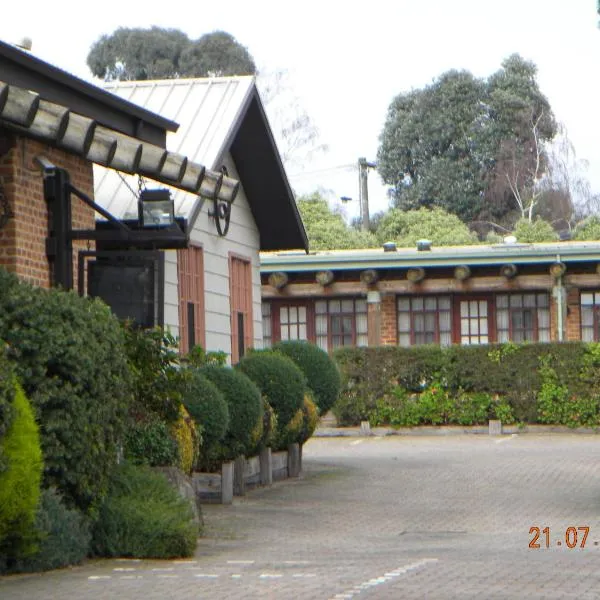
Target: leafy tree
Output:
[(450, 144), (327, 230), (437, 225), (130, 54)]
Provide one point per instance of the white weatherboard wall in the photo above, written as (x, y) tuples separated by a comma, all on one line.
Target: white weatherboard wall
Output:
[(243, 239)]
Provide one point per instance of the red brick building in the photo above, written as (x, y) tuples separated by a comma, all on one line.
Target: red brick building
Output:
[(451, 295)]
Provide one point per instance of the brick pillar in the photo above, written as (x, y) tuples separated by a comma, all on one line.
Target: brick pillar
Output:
[(374, 318), (389, 327), (573, 325)]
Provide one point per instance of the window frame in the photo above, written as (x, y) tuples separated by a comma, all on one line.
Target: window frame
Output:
[(412, 313)]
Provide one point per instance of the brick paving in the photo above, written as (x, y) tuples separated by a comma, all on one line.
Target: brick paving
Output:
[(383, 518)]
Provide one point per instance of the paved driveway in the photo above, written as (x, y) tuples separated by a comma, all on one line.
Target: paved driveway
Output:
[(384, 518)]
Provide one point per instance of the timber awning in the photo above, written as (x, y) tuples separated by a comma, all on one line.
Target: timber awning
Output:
[(25, 112)]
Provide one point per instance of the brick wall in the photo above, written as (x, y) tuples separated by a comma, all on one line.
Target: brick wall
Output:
[(389, 328), (23, 240), (573, 315)]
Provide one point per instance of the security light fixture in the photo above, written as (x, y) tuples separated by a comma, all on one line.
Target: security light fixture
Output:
[(156, 208)]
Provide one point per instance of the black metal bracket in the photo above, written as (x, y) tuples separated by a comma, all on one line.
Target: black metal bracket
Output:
[(221, 212)]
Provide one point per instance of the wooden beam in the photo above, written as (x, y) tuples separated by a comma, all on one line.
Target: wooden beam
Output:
[(102, 148), (173, 169), (78, 135), (20, 106)]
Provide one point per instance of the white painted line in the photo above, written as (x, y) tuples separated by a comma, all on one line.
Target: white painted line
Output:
[(240, 562), (184, 562), (270, 576), (375, 581), (206, 575), (296, 562), (124, 569), (128, 560), (505, 439), (298, 575), (356, 442), (236, 576), (96, 577), (168, 576)]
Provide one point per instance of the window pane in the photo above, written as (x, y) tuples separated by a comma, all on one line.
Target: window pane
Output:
[(542, 300), (283, 315), (483, 326), (502, 321), (430, 319), (483, 339), (587, 316), (362, 340), (445, 322), (501, 301), (320, 307), (445, 339), (347, 323), (404, 340), (474, 327), (334, 306), (321, 324), (336, 325), (444, 303), (361, 323), (403, 304), (322, 342), (516, 301), (417, 303), (293, 314), (483, 308), (464, 309), (418, 322), (284, 333), (587, 298), (473, 308), (544, 318), (503, 336), (302, 332), (266, 309), (430, 303), (404, 322), (302, 314), (464, 326), (360, 306), (529, 300), (347, 306), (587, 334)]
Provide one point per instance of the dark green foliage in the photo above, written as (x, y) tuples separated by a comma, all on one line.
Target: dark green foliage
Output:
[(143, 517), (209, 409), (7, 395), (321, 372), (64, 536), (158, 380), (455, 142), (158, 53), (245, 408), (148, 442), (20, 481), (548, 383), (68, 353), (279, 380)]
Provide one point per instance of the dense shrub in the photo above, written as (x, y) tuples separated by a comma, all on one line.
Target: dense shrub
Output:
[(209, 409), (69, 355), (7, 395), (64, 536), (143, 517), (279, 380), (265, 431), (20, 482), (321, 372), (148, 442), (186, 434), (310, 419), (245, 406), (291, 433), (158, 380), (548, 383)]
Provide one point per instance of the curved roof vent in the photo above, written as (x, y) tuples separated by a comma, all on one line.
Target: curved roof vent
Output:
[(389, 247), (423, 245)]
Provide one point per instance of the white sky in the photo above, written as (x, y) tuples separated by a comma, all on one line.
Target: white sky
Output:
[(348, 60)]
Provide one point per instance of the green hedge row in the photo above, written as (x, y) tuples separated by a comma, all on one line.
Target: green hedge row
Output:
[(539, 383)]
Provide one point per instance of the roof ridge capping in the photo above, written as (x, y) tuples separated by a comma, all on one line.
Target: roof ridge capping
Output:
[(23, 111)]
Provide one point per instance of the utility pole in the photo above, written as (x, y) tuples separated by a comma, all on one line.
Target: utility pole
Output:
[(363, 191)]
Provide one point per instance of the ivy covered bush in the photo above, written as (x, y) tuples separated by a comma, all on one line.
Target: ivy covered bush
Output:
[(20, 481), (245, 407), (143, 517), (210, 411), (68, 353), (280, 381), (321, 372)]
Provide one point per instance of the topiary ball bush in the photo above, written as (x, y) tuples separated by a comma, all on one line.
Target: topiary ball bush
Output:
[(143, 517), (321, 372), (279, 380), (20, 481), (208, 407), (245, 406)]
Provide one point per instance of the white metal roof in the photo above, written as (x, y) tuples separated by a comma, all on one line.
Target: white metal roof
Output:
[(208, 112)]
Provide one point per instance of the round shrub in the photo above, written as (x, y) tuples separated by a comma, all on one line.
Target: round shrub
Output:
[(148, 442), (208, 407), (279, 380), (20, 482), (321, 372), (245, 406), (68, 353), (65, 536), (185, 434), (310, 414), (143, 517)]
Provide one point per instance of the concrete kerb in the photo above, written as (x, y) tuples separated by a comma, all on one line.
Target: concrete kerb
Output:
[(426, 430)]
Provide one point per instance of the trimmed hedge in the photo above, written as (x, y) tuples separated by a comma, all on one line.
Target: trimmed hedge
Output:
[(7, 395), (279, 380), (209, 409), (321, 372), (20, 482), (514, 378), (68, 353), (143, 517), (245, 406)]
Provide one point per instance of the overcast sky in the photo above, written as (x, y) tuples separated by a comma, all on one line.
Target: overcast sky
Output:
[(347, 61)]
